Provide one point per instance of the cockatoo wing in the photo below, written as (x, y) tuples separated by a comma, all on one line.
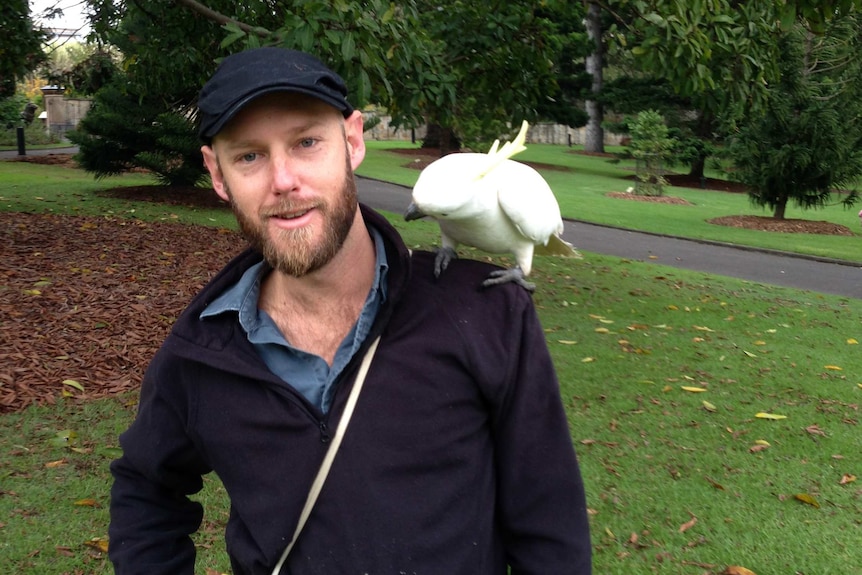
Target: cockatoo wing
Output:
[(528, 201)]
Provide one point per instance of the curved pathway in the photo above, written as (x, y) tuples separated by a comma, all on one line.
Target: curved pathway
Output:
[(752, 264)]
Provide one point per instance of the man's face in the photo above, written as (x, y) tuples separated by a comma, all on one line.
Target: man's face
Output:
[(285, 163)]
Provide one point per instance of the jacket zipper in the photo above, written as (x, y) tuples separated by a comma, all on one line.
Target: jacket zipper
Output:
[(324, 432)]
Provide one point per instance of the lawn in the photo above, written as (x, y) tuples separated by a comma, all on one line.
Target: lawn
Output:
[(716, 420)]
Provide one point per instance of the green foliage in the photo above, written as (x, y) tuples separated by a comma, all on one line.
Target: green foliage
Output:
[(10, 111), (650, 146), (124, 130), (379, 48), (506, 59), (808, 143), (721, 52), (90, 74), (34, 135), (20, 44)]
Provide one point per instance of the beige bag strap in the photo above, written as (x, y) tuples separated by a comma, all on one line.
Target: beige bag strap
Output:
[(320, 479)]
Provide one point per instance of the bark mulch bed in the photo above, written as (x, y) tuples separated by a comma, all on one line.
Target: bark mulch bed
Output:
[(90, 299)]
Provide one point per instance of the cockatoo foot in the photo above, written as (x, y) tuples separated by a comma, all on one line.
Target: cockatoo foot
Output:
[(441, 261), (515, 275)]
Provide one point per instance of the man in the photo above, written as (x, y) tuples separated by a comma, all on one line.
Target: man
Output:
[(457, 459)]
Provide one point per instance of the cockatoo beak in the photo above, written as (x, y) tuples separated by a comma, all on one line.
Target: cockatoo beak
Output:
[(413, 212)]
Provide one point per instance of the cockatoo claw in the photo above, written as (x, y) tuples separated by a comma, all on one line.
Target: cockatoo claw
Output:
[(514, 275), (441, 261)]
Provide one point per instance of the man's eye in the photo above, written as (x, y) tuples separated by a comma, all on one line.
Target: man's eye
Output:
[(307, 143), (249, 157)]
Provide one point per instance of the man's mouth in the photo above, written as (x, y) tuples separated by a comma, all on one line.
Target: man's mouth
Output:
[(292, 215)]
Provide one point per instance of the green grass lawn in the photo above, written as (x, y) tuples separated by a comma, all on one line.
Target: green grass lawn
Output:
[(663, 373)]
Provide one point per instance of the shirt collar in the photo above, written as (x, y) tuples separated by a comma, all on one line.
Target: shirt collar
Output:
[(242, 297)]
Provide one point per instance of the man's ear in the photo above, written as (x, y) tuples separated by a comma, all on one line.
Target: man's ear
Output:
[(355, 139), (211, 162)]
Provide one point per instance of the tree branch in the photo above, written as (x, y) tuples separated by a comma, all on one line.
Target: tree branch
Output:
[(220, 18)]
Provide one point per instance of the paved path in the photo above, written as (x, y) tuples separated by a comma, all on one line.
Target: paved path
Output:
[(756, 265)]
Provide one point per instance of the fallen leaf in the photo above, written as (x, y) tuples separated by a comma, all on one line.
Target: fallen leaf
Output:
[(847, 478), (708, 406), (749, 354), (852, 341), (64, 438), (714, 483), (808, 499), (736, 570), (833, 367), (86, 503), (98, 543), (73, 383), (602, 330), (757, 448), (815, 430), (688, 524), (54, 464), (566, 341), (588, 360), (693, 389), (702, 328), (763, 415)]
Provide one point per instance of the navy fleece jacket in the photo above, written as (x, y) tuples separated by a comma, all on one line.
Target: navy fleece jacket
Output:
[(458, 458)]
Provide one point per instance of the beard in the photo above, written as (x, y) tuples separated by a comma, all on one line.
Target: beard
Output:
[(295, 252)]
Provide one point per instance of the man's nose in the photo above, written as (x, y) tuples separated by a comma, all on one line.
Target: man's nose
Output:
[(284, 174)]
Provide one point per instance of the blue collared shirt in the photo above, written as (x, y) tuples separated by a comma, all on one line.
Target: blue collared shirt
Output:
[(309, 374)]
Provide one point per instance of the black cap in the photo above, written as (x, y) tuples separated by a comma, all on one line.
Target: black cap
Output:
[(246, 75)]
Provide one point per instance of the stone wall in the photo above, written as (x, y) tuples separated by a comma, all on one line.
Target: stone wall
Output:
[(541, 133), (63, 114), (384, 131)]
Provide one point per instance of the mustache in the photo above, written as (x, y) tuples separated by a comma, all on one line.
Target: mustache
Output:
[(289, 208)]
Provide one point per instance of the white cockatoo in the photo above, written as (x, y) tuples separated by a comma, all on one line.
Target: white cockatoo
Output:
[(492, 203)]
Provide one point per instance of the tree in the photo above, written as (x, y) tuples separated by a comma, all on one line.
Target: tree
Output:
[(509, 61), (124, 130), (594, 140), (807, 145), (650, 146), (21, 45), (718, 57), (145, 116)]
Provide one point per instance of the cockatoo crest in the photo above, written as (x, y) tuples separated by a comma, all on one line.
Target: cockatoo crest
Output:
[(509, 149)]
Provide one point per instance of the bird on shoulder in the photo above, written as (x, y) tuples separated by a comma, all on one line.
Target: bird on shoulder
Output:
[(492, 203)]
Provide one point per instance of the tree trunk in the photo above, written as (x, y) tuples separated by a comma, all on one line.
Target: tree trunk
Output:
[(594, 140), (697, 167), (437, 136), (780, 208)]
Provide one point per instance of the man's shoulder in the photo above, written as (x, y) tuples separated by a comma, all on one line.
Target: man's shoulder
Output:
[(462, 281)]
